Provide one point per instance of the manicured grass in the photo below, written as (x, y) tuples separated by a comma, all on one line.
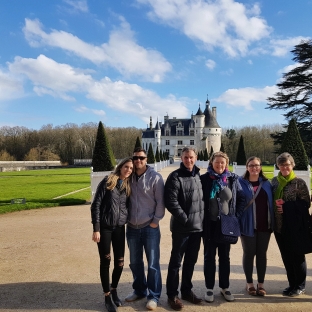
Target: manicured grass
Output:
[(39, 187)]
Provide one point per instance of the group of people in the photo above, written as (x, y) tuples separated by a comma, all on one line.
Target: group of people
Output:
[(136, 195)]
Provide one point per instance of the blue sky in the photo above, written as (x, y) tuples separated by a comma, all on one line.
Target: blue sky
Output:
[(122, 61)]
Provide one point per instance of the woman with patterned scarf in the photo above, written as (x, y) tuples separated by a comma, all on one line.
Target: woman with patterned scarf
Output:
[(292, 202), (219, 184)]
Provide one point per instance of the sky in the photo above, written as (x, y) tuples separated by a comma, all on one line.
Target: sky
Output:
[(122, 61)]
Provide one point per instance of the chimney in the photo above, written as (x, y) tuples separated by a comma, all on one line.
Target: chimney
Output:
[(151, 124), (214, 112)]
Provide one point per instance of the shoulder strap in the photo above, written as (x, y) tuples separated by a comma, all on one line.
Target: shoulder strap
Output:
[(256, 194)]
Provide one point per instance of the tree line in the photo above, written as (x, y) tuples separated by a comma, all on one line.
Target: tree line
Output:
[(64, 143), (71, 141)]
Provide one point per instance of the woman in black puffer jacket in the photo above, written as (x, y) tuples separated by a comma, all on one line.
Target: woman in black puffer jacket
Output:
[(109, 212)]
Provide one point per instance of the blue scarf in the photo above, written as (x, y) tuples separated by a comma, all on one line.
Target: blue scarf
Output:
[(219, 180)]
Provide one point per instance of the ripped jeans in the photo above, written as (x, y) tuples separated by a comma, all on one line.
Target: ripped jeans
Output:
[(116, 237)]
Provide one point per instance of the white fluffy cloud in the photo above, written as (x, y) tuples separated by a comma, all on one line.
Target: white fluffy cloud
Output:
[(50, 77), (211, 64), (135, 60), (63, 81), (11, 87), (226, 24), (244, 97), (282, 46), (135, 100)]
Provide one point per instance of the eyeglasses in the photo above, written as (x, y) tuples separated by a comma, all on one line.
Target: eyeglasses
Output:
[(139, 157), (254, 166), (285, 166)]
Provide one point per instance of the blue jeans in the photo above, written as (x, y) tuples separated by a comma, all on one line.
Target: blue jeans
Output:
[(187, 245), (149, 239)]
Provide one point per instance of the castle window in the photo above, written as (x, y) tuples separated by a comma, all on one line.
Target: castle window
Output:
[(167, 132), (191, 142), (180, 142), (167, 142), (191, 132), (179, 132)]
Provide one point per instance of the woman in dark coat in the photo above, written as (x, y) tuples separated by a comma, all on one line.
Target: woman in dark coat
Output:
[(292, 202), (219, 184), (109, 212)]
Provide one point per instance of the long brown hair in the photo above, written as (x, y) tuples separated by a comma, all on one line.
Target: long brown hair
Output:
[(246, 174), (113, 177)]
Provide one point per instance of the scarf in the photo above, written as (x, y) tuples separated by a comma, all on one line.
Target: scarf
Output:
[(282, 182), (219, 180)]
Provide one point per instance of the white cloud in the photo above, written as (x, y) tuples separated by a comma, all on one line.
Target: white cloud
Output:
[(11, 87), (84, 109), (283, 46), (134, 60), (62, 80), (210, 64), (287, 69), (50, 77), (225, 24), (78, 5), (134, 100), (244, 97)]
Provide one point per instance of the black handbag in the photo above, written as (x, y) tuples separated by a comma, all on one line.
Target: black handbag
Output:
[(227, 228)]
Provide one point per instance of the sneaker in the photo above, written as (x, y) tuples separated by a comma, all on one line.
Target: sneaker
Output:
[(296, 292), (151, 305), (175, 303), (227, 294), (133, 297), (209, 297), (191, 297), (287, 291)]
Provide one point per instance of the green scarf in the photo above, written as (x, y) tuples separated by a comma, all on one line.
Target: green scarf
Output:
[(282, 182)]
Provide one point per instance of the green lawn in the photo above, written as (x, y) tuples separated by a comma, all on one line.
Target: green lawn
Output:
[(39, 187)]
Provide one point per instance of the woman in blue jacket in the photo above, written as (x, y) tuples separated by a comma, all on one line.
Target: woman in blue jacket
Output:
[(256, 223)]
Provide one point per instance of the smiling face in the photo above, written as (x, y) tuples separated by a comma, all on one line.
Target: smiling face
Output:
[(254, 168), (126, 170), (189, 159), (219, 164), (139, 161), (285, 168)]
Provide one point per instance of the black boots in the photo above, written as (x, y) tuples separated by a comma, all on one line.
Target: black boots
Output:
[(109, 304), (115, 298)]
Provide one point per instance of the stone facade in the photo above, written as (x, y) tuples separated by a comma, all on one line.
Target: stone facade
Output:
[(201, 131)]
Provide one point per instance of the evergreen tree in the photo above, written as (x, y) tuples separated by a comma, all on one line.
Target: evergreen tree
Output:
[(294, 93), (201, 155), (292, 144), (206, 157), (161, 155), (211, 151), (150, 155), (222, 149), (157, 157), (241, 155), (137, 143), (103, 158)]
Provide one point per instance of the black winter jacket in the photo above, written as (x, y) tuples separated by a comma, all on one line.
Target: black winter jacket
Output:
[(109, 207), (184, 200), (296, 228)]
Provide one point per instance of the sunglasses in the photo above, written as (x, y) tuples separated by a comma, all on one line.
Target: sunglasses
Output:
[(139, 157)]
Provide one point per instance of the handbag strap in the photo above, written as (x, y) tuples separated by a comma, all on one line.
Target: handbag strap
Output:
[(256, 194)]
